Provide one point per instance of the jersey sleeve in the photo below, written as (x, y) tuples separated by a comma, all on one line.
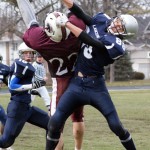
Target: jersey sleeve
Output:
[(114, 46), (15, 85)]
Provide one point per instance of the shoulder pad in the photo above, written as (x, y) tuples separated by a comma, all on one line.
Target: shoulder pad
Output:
[(20, 67)]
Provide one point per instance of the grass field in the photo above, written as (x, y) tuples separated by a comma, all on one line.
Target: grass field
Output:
[(134, 111)]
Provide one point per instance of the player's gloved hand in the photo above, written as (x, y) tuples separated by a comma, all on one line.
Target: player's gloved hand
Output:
[(38, 83), (35, 92), (61, 21)]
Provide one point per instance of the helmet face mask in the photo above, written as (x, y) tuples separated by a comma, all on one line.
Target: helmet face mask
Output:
[(26, 53), (128, 24), (116, 27), (55, 33)]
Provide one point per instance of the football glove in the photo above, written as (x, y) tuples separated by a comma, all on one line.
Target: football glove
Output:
[(61, 21), (35, 92), (38, 83)]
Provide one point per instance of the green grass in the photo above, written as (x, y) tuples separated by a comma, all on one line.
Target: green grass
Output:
[(133, 108)]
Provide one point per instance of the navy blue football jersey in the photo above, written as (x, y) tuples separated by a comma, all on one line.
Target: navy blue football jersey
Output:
[(21, 75), (92, 60)]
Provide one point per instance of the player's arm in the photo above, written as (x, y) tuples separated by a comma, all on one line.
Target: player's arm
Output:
[(115, 50), (74, 8), (15, 85), (17, 73), (84, 37), (27, 13)]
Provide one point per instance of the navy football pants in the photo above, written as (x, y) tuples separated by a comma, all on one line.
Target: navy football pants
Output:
[(3, 116), (18, 114), (85, 91)]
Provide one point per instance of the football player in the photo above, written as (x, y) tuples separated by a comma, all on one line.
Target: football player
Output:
[(19, 111), (59, 48), (102, 45), (4, 72), (40, 73)]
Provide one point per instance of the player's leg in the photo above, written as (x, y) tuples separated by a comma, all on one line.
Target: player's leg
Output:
[(3, 118), (55, 125), (106, 107), (60, 145), (59, 85), (101, 100), (116, 126), (44, 95), (39, 118), (11, 130), (68, 102), (78, 132), (78, 127), (16, 118)]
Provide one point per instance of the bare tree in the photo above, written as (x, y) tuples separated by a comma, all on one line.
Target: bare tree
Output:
[(11, 20), (9, 13)]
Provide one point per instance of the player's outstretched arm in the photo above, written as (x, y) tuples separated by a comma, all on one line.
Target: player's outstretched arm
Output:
[(15, 85), (83, 36), (27, 12)]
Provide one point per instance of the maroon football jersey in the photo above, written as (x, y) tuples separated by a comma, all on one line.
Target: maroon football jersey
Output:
[(59, 56)]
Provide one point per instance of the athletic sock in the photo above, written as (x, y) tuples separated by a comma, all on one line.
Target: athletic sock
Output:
[(127, 142), (51, 144)]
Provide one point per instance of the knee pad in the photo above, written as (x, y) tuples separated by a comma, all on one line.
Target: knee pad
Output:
[(54, 128)]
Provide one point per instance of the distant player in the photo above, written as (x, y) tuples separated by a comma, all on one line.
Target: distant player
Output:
[(4, 72), (40, 73)]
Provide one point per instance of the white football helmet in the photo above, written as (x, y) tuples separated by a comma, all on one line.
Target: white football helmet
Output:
[(24, 48), (55, 33), (129, 25)]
